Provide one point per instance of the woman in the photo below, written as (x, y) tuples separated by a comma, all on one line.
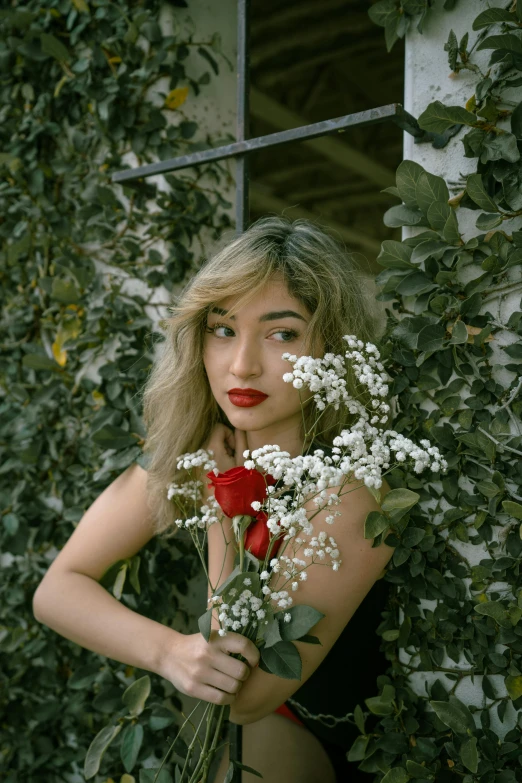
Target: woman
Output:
[(280, 286)]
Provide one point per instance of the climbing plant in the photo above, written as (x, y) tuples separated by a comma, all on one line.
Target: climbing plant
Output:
[(87, 87), (454, 320)]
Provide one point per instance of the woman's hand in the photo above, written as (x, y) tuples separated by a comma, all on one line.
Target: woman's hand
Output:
[(207, 670), (228, 447)]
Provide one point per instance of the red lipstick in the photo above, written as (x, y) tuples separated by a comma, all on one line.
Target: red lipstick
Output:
[(246, 398)]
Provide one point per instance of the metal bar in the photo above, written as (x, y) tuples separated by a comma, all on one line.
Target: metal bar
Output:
[(243, 115), (393, 111), (235, 730)]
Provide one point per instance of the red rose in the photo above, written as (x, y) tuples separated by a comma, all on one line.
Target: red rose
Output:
[(235, 490), (257, 537)]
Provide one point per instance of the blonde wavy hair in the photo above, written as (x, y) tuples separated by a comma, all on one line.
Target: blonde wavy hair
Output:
[(179, 409)]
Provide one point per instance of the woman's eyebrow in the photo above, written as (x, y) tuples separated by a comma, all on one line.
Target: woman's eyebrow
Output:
[(267, 316)]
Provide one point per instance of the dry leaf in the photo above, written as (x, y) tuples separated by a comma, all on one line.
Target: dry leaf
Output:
[(176, 98)]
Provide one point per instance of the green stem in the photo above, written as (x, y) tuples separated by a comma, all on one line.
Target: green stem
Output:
[(204, 749)]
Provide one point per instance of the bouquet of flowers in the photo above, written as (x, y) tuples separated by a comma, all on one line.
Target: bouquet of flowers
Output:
[(272, 527)]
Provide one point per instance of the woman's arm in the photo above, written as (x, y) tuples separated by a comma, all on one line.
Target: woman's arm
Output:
[(71, 602), (336, 594), (69, 599)]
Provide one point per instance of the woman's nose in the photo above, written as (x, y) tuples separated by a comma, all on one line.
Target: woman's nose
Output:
[(245, 360)]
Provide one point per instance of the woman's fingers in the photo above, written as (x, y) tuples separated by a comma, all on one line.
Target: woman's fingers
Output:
[(223, 682), (232, 667)]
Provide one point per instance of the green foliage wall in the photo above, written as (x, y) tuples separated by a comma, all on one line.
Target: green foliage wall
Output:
[(83, 83), (455, 624)]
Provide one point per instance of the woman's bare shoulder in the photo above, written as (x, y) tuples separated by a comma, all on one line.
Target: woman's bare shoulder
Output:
[(115, 526)]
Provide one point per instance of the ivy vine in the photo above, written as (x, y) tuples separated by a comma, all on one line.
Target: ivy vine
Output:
[(454, 326)]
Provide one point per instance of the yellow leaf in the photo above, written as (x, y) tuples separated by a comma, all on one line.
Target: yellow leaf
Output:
[(115, 59), (81, 6), (125, 778), (59, 354), (514, 686), (471, 104), (482, 598), (176, 98), (472, 330), (98, 396)]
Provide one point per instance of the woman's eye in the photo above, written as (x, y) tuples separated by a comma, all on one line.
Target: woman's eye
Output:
[(289, 334)]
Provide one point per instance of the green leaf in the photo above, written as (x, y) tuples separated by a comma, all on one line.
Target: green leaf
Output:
[(374, 524), (401, 215), (83, 677), (117, 587), (37, 361), (477, 193), (455, 714), (136, 695), (396, 775), (492, 609), (514, 686), (450, 232), (431, 338), (508, 43), (54, 47), (437, 117), (358, 749), (111, 437), (383, 12), (309, 639), (512, 508), (400, 498), (407, 176), (487, 220), (271, 632), (64, 291), (303, 618), (412, 536), (161, 718), (395, 255), (492, 16), (431, 248), (283, 659), (131, 741), (415, 283), (97, 748), (205, 624), (430, 189), (469, 755), (438, 213), (459, 333)]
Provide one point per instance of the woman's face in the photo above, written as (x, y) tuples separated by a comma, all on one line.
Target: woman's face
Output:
[(244, 352)]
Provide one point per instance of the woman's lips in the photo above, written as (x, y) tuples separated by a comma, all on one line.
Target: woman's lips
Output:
[(246, 400)]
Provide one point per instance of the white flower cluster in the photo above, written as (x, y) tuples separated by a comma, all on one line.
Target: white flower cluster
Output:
[(326, 377), (209, 514), (196, 459), (246, 609), (367, 450), (316, 550)]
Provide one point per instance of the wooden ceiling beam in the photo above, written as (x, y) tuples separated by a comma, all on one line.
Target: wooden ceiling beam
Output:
[(344, 156), (297, 170), (291, 14), (311, 35), (267, 78), (265, 202)]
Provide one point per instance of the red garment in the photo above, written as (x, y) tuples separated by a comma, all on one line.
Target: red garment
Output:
[(287, 713)]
